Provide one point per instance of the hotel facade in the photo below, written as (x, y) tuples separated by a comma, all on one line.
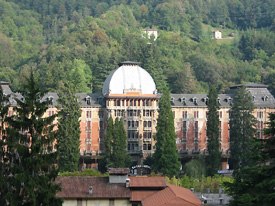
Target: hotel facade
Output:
[(129, 92)]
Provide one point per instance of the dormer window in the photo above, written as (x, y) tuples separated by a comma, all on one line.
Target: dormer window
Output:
[(229, 100), (183, 101), (205, 100), (265, 98), (172, 100), (219, 100), (50, 99), (88, 100), (253, 98), (195, 100)]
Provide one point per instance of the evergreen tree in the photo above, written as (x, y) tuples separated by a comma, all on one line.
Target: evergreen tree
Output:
[(29, 150), (120, 156), (214, 157), (68, 129), (255, 185), (242, 128), (109, 139), (166, 156)]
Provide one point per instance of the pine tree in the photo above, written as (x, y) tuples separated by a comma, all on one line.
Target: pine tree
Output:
[(30, 151), (214, 155), (68, 129), (242, 128), (255, 185), (166, 156)]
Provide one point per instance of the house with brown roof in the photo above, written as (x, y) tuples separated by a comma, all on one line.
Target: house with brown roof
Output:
[(119, 189)]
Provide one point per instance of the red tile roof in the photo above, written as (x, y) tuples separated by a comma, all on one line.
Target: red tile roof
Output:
[(171, 196), (152, 182), (78, 187), (137, 196), (118, 171)]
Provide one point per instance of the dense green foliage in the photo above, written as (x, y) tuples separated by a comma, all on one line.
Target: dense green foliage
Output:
[(242, 129), (254, 185), (85, 172), (29, 151), (214, 155), (166, 155), (201, 184), (196, 168), (68, 129), (64, 39)]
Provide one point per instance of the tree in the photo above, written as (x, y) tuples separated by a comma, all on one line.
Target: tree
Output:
[(166, 156), (116, 154), (255, 185), (119, 156), (214, 157), (29, 150), (68, 129), (196, 168), (242, 128)]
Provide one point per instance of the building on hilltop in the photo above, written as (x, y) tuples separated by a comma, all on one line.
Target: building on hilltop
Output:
[(129, 92)]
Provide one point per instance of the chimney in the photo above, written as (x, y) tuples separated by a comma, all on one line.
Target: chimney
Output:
[(90, 190), (127, 182)]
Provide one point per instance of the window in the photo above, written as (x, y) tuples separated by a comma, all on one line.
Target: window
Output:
[(174, 114), (101, 125), (196, 114), (88, 125), (196, 125), (111, 202), (184, 147), (184, 114), (51, 113), (100, 114), (184, 125), (88, 114), (79, 202), (184, 135), (196, 146), (220, 114), (260, 115)]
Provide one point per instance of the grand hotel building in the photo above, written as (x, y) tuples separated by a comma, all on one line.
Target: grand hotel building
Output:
[(129, 92)]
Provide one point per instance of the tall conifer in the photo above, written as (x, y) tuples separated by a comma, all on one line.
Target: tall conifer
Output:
[(166, 156), (214, 155), (254, 185), (30, 151), (68, 129), (242, 128), (109, 140), (119, 155)]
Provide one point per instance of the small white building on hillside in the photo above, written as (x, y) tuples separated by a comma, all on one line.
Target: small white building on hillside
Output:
[(150, 32), (217, 34)]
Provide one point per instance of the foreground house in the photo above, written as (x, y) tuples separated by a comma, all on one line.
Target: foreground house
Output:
[(129, 92), (119, 189)]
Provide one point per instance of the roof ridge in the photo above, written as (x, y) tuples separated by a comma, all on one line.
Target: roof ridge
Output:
[(178, 196)]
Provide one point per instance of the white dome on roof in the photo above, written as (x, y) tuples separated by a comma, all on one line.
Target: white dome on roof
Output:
[(129, 76)]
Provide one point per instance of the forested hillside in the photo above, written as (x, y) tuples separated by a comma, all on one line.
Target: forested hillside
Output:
[(83, 40)]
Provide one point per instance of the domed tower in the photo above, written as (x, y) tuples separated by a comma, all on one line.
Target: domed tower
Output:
[(129, 78), (131, 94)]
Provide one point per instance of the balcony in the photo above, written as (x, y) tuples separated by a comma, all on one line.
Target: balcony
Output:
[(88, 129)]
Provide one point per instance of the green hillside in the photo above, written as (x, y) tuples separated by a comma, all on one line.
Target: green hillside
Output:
[(83, 40)]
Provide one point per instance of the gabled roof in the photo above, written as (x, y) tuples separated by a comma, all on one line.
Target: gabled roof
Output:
[(138, 196), (171, 196), (78, 187), (147, 182)]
